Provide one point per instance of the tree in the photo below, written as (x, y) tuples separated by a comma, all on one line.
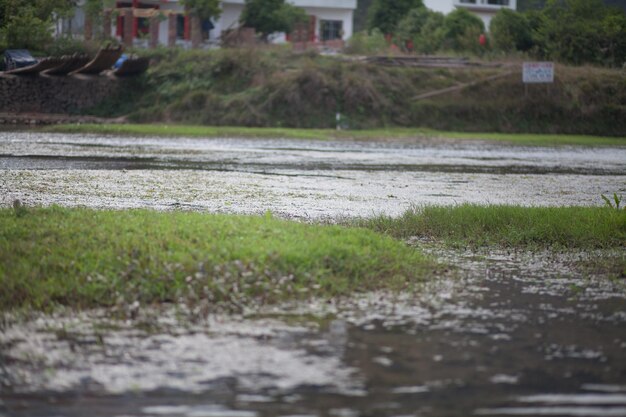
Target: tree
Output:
[(411, 25), (570, 30), (28, 23), (614, 38), (204, 9), (269, 16), (386, 14), (461, 30), (511, 31), (423, 28)]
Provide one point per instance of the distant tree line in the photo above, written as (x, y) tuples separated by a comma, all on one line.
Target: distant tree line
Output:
[(570, 31)]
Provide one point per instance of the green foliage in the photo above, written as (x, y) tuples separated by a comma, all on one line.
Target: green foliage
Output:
[(204, 9), (28, 23), (67, 45), (581, 31), (386, 14), (26, 30), (424, 28), (269, 16), (511, 31), (330, 134), (461, 30), (613, 29), (617, 200), (273, 87), (364, 43), (510, 226), (94, 258)]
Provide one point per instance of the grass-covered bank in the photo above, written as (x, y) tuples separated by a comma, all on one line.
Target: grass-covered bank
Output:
[(173, 130), (274, 87), (85, 258), (510, 226)]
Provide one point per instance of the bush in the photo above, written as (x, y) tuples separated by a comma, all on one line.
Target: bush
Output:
[(386, 14), (410, 27), (458, 26), (26, 30), (67, 46), (581, 31), (511, 31), (363, 43)]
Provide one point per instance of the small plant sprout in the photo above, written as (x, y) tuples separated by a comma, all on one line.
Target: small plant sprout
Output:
[(617, 200)]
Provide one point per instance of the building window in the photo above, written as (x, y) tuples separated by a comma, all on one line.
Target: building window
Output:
[(331, 29), (180, 26)]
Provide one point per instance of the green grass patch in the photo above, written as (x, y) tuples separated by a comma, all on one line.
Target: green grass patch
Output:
[(329, 134), (84, 258), (509, 226)]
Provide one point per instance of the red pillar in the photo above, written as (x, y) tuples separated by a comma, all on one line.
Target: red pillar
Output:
[(187, 35), (135, 20), (128, 28)]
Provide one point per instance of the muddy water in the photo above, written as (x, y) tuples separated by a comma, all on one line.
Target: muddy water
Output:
[(304, 179), (512, 334)]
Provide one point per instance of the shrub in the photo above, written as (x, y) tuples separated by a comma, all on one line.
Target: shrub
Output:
[(410, 27), (571, 31), (67, 46), (386, 14), (458, 26), (26, 30), (363, 43), (511, 31)]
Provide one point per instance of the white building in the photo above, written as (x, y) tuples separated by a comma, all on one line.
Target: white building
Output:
[(167, 23), (485, 9)]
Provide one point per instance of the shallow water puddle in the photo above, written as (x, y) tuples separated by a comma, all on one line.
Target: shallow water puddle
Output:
[(479, 344)]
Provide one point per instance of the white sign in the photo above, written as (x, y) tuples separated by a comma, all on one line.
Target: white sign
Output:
[(538, 72)]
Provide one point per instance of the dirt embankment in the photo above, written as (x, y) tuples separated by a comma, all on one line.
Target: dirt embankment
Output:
[(277, 88)]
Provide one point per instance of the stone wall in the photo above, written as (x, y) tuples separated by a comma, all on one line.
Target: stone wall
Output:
[(49, 94)]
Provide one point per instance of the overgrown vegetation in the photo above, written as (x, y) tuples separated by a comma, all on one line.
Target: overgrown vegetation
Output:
[(510, 226), (269, 16), (273, 87), (28, 23), (84, 259), (568, 31)]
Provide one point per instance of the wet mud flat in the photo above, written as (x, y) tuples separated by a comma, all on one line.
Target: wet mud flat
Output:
[(298, 178), (510, 334)]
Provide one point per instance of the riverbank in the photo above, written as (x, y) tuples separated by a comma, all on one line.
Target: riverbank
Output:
[(278, 88), (177, 130), (85, 259)]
